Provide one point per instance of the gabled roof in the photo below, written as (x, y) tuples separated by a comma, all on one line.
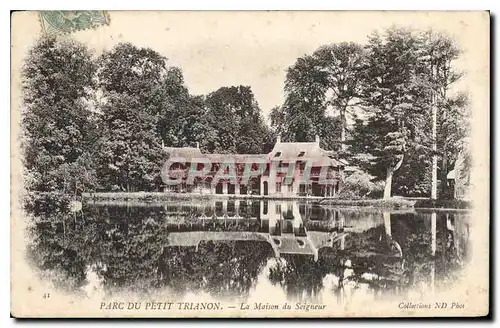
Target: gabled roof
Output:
[(282, 151), (189, 153), (193, 238), (291, 150), (237, 158), (305, 151)]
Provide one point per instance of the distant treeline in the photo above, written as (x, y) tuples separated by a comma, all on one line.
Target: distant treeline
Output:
[(97, 122)]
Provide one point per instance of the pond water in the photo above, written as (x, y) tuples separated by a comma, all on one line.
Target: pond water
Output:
[(227, 249)]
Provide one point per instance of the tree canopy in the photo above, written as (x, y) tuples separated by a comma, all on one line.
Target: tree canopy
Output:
[(98, 123), (57, 124)]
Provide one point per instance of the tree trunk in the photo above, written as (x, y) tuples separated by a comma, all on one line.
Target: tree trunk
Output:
[(388, 183), (388, 178), (343, 129), (434, 164), (434, 146), (444, 174), (444, 163)]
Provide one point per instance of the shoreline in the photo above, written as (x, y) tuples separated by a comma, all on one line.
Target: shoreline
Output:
[(398, 203)]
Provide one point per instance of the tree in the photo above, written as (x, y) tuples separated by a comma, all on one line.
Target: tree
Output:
[(342, 66), (127, 69), (294, 125), (182, 118), (51, 250), (302, 114), (377, 148), (413, 179), (133, 81), (329, 79), (129, 149), (395, 101), (57, 126), (235, 117), (440, 52)]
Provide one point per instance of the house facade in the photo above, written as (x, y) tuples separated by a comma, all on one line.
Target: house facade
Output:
[(291, 169)]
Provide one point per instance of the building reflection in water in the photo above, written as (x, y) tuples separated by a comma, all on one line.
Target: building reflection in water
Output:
[(231, 248), (288, 227)]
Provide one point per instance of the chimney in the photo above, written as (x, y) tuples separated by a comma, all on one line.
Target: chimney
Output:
[(197, 144), (317, 140), (278, 139)]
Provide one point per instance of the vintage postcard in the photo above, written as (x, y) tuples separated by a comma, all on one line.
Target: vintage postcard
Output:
[(250, 164)]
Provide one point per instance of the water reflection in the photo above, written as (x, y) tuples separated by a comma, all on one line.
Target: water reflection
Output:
[(228, 248)]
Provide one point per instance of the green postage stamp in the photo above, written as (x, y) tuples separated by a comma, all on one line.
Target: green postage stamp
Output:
[(60, 21)]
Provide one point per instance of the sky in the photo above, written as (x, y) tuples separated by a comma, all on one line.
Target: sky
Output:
[(215, 49)]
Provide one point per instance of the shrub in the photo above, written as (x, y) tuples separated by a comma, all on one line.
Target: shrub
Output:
[(360, 185)]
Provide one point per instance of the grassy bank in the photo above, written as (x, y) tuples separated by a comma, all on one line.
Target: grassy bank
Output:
[(393, 203), (443, 203), (142, 196), (160, 196)]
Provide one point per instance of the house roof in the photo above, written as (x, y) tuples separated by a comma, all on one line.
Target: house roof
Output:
[(237, 158), (305, 151), (282, 151), (189, 153), (193, 238)]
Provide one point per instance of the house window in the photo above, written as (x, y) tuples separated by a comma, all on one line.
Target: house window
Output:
[(290, 187), (278, 154), (278, 208), (301, 154), (278, 186)]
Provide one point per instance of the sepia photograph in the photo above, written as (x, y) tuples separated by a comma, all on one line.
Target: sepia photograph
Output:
[(231, 164)]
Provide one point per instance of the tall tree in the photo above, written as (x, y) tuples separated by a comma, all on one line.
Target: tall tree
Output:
[(132, 80), (440, 53), (453, 130), (235, 117), (182, 118), (58, 128), (127, 69), (303, 112), (341, 66), (328, 80), (395, 100), (129, 149)]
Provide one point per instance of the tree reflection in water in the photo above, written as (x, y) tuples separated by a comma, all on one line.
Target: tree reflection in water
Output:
[(127, 248), (228, 269)]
